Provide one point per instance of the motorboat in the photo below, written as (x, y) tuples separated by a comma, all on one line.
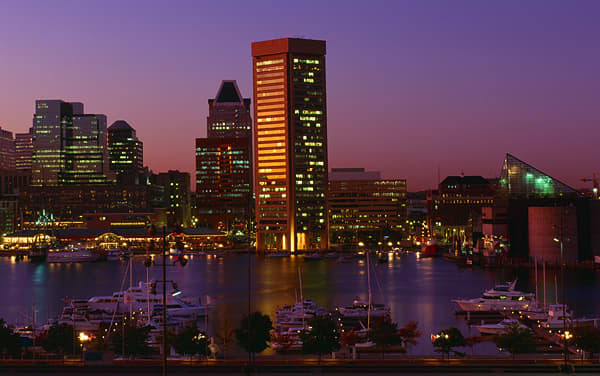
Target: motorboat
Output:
[(498, 328), (360, 310), (143, 298), (330, 255), (72, 254), (288, 339), (503, 297), (556, 319)]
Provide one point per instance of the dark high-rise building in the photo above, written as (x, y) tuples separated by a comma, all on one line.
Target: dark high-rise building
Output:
[(126, 152), (229, 113), (223, 162), (290, 138), (177, 197), (23, 150), (69, 147), (7, 150)]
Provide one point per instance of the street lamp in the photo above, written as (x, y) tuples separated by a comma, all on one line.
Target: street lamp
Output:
[(559, 240), (83, 338)]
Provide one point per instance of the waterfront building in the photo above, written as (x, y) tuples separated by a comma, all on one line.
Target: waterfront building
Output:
[(177, 197), (23, 150), (69, 147), (224, 177), (69, 203), (229, 113), (7, 150), (454, 209), (290, 140), (364, 207), (126, 151), (532, 212)]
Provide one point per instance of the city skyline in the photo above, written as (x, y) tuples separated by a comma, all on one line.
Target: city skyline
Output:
[(458, 89)]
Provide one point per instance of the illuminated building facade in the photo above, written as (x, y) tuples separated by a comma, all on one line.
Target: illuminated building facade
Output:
[(455, 209), (223, 162), (290, 138), (7, 150), (223, 182), (69, 147), (229, 113), (363, 207), (84, 151), (126, 152), (23, 150), (177, 197), (70, 202)]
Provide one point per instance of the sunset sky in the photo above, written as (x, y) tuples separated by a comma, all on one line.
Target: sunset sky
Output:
[(411, 84)]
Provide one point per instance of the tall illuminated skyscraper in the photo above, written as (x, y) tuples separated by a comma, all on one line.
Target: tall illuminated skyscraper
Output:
[(69, 147), (223, 162), (7, 150), (23, 150), (125, 150), (290, 138)]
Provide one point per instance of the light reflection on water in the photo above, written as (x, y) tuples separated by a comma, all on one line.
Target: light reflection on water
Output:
[(417, 289)]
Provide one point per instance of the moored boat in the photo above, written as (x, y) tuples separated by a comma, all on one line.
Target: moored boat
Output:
[(503, 297)]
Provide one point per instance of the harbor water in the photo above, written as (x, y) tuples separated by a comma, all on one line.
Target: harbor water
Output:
[(418, 289)]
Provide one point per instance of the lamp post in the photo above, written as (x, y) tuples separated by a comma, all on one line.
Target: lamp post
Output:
[(559, 240)]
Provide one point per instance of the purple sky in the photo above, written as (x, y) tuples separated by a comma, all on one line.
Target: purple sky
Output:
[(410, 84)]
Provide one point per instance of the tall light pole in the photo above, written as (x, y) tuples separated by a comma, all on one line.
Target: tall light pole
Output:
[(560, 240)]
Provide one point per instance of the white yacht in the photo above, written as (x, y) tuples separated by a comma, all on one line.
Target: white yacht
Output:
[(71, 254), (360, 310), (556, 319), (141, 298), (503, 297), (498, 328)]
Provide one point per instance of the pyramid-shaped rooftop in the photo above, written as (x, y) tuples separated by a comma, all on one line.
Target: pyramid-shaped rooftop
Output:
[(519, 178)]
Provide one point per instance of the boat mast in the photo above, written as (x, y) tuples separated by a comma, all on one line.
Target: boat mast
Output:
[(544, 276), (536, 282), (130, 286), (370, 295)]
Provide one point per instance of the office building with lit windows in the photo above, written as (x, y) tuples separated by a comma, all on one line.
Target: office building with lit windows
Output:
[(290, 141), (223, 162), (85, 152), (23, 150), (126, 151), (223, 182), (177, 197), (229, 113), (7, 150), (69, 147), (364, 207)]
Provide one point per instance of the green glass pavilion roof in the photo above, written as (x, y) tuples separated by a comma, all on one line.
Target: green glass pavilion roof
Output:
[(521, 179)]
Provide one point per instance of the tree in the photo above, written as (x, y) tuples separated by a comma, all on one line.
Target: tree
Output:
[(191, 341), (587, 338), (9, 341), (59, 339), (384, 333), (446, 340), (516, 340), (409, 334), (260, 327), (321, 338), (225, 336), (135, 339)]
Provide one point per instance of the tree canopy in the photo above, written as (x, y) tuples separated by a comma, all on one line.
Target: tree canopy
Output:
[(191, 341), (384, 333), (322, 336), (447, 340), (260, 327), (9, 341), (516, 340)]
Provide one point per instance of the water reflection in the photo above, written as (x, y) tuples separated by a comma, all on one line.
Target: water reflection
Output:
[(415, 288)]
